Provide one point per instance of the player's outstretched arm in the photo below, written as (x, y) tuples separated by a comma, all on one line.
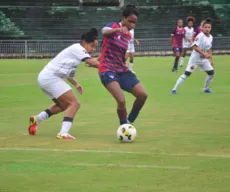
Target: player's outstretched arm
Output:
[(92, 62), (211, 58), (107, 31), (76, 84)]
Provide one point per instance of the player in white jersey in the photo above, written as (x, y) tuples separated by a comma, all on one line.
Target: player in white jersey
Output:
[(51, 82), (131, 50), (201, 57), (188, 40)]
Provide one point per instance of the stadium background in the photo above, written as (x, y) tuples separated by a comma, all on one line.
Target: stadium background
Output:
[(43, 28)]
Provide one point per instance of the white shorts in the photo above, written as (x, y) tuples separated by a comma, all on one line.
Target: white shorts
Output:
[(53, 86), (131, 48), (186, 44), (204, 65)]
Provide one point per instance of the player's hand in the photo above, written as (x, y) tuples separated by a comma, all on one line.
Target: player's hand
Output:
[(137, 42), (79, 88), (123, 29), (212, 63), (207, 56)]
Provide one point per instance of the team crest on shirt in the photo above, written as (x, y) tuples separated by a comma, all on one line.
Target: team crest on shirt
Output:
[(111, 76), (196, 39)]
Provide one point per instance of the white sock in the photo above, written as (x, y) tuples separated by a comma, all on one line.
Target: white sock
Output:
[(42, 116), (181, 61), (180, 81), (130, 66), (208, 81), (66, 125)]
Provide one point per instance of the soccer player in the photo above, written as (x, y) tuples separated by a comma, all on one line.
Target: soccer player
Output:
[(178, 35), (188, 40), (51, 82), (199, 29), (199, 57), (131, 50), (113, 72)]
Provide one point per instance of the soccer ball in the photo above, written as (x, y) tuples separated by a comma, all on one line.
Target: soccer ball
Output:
[(126, 133)]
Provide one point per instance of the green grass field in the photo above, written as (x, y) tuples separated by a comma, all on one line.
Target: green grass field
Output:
[(183, 142)]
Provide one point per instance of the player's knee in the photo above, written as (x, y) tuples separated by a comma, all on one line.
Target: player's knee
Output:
[(121, 102), (187, 73), (211, 73), (75, 105), (143, 96)]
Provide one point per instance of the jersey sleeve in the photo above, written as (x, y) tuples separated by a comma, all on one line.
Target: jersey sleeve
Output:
[(108, 26), (82, 54), (173, 32), (198, 40)]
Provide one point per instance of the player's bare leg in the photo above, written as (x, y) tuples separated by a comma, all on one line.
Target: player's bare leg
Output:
[(139, 92), (116, 91), (71, 105)]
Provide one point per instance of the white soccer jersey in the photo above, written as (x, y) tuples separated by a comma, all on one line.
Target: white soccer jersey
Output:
[(66, 62), (189, 32), (204, 43), (132, 35)]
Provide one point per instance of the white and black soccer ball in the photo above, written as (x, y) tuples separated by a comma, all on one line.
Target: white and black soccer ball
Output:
[(126, 133)]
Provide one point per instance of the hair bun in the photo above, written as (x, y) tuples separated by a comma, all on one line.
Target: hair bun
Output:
[(93, 32), (208, 20), (190, 18)]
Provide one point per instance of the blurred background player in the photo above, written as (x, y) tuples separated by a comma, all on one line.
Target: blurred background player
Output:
[(114, 73), (199, 57), (199, 29), (178, 35), (51, 82), (188, 40), (131, 50)]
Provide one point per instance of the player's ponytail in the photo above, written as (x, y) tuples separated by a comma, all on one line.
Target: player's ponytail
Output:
[(130, 10), (90, 36)]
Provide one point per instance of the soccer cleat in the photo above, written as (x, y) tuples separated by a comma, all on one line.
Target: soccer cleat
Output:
[(173, 92), (33, 125), (66, 136), (174, 70), (207, 91), (181, 65)]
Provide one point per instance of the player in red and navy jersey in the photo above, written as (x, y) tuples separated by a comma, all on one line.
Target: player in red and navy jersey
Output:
[(114, 73), (178, 34), (199, 29)]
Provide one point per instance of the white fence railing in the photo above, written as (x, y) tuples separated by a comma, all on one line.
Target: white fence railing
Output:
[(46, 49)]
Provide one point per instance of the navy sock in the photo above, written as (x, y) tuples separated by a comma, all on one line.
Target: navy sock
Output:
[(176, 63), (122, 115), (137, 105)]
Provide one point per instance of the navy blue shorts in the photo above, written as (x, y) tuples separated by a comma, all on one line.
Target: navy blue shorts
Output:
[(177, 49), (127, 80)]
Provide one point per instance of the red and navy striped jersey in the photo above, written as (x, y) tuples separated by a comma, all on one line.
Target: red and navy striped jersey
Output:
[(113, 51)]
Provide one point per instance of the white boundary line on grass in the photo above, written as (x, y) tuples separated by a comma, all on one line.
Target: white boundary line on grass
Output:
[(115, 152), (130, 166)]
